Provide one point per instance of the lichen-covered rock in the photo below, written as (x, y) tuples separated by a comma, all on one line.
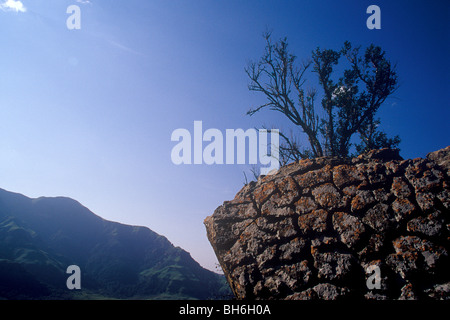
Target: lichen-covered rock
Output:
[(315, 228)]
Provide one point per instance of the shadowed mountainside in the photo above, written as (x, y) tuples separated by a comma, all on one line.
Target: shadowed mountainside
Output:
[(40, 238)]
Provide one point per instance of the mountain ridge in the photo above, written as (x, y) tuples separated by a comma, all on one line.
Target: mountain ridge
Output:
[(41, 237)]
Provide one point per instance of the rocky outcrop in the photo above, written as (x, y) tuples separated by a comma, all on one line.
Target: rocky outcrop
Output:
[(372, 227)]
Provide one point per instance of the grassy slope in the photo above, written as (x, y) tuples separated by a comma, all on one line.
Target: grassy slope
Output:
[(39, 238)]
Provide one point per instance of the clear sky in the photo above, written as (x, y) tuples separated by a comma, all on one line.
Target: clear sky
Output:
[(89, 113)]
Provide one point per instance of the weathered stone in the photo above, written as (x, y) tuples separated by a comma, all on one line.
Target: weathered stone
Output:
[(272, 209), (425, 200), (444, 196), (288, 192), (407, 293), (439, 291), (295, 276), (441, 158), (311, 230), (430, 225), (376, 173), (374, 245), (375, 296), (236, 256), (345, 174), (267, 257), (263, 192), (305, 205), (349, 227), (381, 195), (333, 265), (322, 242), (413, 253), (423, 179), (349, 191), (323, 291), (291, 250), (326, 196), (315, 221), (328, 291), (428, 182), (285, 228), (403, 208), (379, 217), (361, 200), (404, 264), (308, 294), (315, 177), (400, 188)]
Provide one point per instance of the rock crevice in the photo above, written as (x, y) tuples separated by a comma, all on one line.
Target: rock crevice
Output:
[(313, 229)]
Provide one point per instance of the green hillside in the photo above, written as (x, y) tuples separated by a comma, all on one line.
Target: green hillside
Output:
[(40, 238)]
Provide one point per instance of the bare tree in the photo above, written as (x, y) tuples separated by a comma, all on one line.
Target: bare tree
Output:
[(281, 81), (348, 104)]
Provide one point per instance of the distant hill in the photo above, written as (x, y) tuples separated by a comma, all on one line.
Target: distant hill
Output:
[(40, 238)]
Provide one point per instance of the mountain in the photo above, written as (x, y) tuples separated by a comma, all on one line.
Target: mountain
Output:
[(40, 238)]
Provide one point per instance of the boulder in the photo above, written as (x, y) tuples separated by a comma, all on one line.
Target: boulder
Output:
[(313, 229)]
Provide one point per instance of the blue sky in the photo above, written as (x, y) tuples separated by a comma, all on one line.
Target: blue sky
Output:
[(89, 113)]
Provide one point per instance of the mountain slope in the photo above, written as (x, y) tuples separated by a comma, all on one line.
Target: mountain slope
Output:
[(40, 238)]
